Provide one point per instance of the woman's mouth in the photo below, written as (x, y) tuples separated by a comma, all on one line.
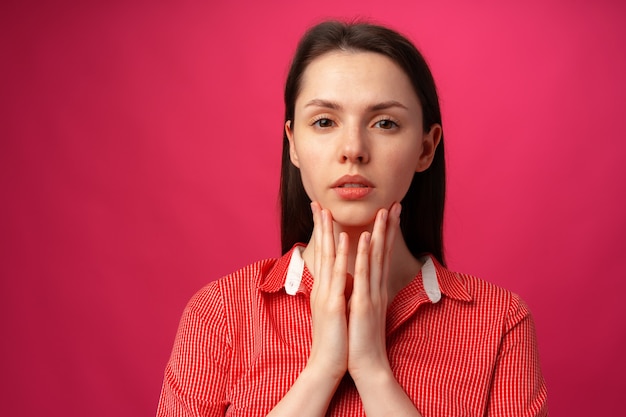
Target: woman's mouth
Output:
[(353, 187)]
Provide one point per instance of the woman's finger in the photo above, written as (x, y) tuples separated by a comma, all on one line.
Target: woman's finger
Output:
[(327, 260), (340, 268), (361, 283), (317, 238), (392, 230), (377, 251)]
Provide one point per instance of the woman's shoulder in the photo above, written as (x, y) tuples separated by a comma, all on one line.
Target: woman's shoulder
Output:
[(481, 294), (241, 286), (239, 281)]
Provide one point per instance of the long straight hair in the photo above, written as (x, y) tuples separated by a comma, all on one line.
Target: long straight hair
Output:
[(423, 206)]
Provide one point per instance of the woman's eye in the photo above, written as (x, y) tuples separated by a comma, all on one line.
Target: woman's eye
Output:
[(386, 124), (323, 122)]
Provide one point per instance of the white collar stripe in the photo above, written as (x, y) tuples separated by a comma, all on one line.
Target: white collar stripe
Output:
[(429, 278), (296, 269), (294, 272)]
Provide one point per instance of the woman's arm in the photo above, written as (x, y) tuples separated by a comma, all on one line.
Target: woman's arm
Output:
[(201, 349), (518, 387)]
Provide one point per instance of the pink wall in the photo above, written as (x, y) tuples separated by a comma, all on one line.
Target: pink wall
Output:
[(139, 153)]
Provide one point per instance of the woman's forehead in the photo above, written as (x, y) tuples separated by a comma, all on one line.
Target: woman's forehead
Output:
[(350, 78)]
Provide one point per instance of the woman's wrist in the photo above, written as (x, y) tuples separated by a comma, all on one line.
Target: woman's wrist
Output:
[(322, 374), (382, 395), (309, 396), (372, 374)]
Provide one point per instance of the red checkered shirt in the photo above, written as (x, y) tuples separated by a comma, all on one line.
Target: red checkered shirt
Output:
[(458, 345)]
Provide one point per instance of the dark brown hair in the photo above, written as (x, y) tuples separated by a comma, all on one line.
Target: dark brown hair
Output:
[(423, 206)]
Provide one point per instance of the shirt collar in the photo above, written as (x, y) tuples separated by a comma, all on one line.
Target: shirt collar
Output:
[(450, 283), (291, 274)]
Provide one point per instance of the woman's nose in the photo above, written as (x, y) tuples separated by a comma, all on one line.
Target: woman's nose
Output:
[(354, 146)]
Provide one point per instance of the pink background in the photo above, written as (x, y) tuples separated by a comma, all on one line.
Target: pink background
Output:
[(139, 159)]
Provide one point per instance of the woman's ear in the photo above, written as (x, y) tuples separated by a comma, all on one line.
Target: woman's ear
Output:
[(293, 155), (430, 141)]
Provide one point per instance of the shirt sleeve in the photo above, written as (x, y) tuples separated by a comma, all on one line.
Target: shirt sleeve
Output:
[(518, 388), (196, 375)]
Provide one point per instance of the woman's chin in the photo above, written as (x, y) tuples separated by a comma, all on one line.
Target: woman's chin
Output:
[(354, 221), (354, 216)]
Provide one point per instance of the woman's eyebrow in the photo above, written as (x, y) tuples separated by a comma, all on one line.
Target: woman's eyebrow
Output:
[(387, 105), (316, 102)]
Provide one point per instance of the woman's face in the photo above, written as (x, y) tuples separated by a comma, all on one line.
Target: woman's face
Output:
[(357, 135)]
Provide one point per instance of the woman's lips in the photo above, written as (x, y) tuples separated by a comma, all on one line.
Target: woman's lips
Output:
[(353, 187), (353, 193)]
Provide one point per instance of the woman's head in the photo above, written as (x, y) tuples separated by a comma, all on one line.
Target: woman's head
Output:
[(424, 202)]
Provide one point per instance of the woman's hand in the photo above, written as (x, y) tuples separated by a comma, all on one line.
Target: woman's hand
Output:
[(367, 354), (349, 335), (329, 350), (314, 388), (368, 362)]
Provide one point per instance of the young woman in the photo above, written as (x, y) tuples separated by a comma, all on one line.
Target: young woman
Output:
[(359, 316)]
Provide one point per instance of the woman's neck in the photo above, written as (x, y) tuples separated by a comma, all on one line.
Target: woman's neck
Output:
[(402, 268)]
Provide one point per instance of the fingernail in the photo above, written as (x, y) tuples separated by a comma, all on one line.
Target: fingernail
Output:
[(324, 215), (397, 209), (383, 215), (342, 239)]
